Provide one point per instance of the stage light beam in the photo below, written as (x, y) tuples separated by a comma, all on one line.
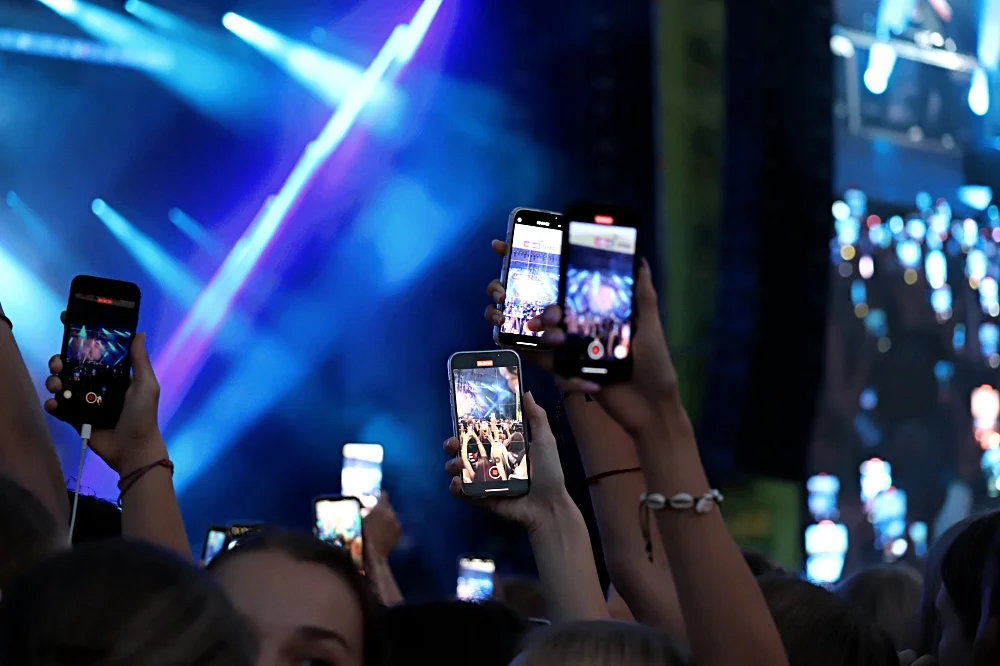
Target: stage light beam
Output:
[(327, 77), (197, 233), (173, 277), (187, 348)]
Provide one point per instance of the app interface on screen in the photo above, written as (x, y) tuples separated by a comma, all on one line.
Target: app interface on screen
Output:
[(490, 425), (339, 522), (361, 474), (96, 370), (214, 543), (599, 285), (532, 278), (475, 580)]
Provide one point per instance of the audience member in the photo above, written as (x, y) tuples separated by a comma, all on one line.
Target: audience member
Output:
[(120, 604), (523, 595), (818, 629), (96, 519), (960, 597), (305, 599), (601, 643), (28, 532), (487, 634), (886, 596)]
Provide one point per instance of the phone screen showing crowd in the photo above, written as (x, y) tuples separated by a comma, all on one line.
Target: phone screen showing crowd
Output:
[(490, 426), (532, 278)]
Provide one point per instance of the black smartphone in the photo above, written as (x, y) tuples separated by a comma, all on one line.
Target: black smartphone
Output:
[(596, 292), (487, 412), (530, 274), (101, 319), (239, 531), (215, 542), (337, 521)]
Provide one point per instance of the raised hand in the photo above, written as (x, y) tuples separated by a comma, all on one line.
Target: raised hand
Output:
[(382, 530), (548, 486), (136, 440), (635, 403)]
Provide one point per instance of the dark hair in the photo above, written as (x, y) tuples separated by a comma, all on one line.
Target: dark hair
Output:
[(306, 548), (28, 532), (416, 629), (761, 564), (886, 596), (96, 519), (120, 603), (927, 624), (963, 567), (602, 643), (817, 628)]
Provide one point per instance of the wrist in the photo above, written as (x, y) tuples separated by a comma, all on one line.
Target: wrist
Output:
[(552, 514), (669, 423), (139, 454)]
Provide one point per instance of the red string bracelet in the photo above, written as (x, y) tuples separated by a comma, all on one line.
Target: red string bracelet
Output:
[(130, 479), (591, 480)]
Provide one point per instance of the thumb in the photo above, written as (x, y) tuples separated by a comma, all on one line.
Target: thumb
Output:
[(142, 369), (383, 498), (536, 416)]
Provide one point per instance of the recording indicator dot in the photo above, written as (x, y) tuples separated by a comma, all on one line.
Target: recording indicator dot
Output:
[(67, 394)]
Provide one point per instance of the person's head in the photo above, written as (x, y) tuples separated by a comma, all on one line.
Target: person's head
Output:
[(120, 603), (886, 596), (487, 634), (304, 598), (818, 629), (601, 643), (960, 596), (927, 624), (761, 564), (96, 519), (28, 532), (523, 595), (986, 649)]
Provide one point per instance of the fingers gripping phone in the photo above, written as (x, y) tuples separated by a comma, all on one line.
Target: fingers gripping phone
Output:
[(530, 274), (487, 411), (475, 579), (361, 474), (338, 522), (101, 320), (596, 292)]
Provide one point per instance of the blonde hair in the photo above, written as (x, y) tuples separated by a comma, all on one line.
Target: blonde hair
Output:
[(601, 643)]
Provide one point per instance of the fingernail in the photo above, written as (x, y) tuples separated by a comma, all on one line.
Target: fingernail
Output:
[(591, 387), (496, 296), (528, 395), (645, 264)]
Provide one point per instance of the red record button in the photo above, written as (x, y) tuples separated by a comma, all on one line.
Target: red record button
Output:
[(91, 398), (595, 350)]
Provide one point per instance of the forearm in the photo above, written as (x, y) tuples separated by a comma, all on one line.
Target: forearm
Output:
[(150, 511), (566, 568), (714, 585), (27, 453), (646, 587), (384, 581)]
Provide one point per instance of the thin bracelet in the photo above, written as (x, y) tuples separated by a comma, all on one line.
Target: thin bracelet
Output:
[(649, 502), (591, 480), (130, 479)]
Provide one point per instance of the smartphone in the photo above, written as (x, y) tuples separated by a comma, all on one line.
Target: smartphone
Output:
[(338, 522), (530, 274), (238, 531), (826, 547), (361, 474), (486, 402), (101, 319), (475, 579), (215, 542), (596, 290)]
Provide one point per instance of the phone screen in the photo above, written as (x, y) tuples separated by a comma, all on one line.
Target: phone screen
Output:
[(599, 287), (533, 273), (475, 579), (338, 522), (215, 542), (101, 319), (489, 425), (361, 474)]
